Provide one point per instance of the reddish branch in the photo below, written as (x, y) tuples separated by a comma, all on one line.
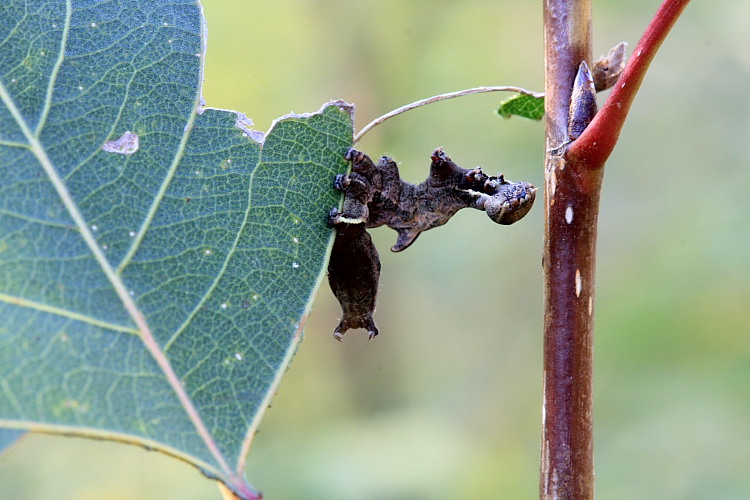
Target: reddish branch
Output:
[(595, 145), (573, 184)]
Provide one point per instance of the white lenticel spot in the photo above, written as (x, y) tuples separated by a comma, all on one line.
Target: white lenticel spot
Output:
[(553, 183), (569, 214), (578, 283)]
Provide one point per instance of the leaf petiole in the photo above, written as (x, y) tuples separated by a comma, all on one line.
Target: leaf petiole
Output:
[(441, 97)]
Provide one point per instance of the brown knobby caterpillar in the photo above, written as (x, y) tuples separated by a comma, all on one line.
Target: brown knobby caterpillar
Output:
[(375, 195)]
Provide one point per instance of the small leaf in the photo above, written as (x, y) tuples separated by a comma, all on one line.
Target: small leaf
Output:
[(523, 105), (157, 259)]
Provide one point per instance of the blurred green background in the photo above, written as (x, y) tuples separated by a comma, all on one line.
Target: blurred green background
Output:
[(445, 404)]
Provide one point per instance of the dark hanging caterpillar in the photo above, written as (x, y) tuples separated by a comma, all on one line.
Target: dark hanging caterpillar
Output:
[(375, 195), (353, 273)]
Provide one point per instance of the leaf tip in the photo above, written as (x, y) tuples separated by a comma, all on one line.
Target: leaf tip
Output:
[(343, 106)]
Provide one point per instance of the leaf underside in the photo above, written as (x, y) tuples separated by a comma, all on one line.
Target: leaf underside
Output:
[(523, 105), (156, 262)]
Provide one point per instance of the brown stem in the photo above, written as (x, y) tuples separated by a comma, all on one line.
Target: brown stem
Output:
[(567, 466)]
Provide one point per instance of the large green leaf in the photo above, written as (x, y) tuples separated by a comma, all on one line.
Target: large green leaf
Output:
[(157, 259)]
